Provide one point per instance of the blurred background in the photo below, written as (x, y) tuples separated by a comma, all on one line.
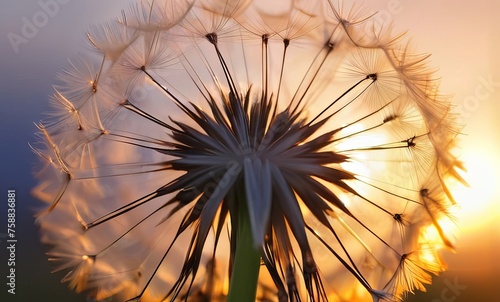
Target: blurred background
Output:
[(462, 36)]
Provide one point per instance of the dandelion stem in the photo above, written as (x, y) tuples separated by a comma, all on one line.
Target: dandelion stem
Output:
[(244, 277)]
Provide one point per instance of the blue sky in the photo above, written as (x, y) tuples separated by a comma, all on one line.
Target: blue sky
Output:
[(461, 35), (28, 71)]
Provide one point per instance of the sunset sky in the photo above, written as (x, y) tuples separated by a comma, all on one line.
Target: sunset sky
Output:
[(462, 36)]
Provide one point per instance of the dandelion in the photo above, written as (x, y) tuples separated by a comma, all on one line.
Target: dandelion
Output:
[(212, 150)]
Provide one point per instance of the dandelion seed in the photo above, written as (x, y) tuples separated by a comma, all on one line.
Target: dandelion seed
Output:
[(216, 150)]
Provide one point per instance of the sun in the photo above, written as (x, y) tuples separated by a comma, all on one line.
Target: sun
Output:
[(476, 201)]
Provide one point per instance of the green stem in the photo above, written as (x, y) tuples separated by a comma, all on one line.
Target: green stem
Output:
[(245, 274)]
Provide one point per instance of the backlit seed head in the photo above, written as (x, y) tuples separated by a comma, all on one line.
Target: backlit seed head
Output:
[(326, 129)]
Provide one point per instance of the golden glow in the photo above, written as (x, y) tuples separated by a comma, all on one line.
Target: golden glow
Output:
[(476, 202), (429, 236), (431, 244), (428, 256)]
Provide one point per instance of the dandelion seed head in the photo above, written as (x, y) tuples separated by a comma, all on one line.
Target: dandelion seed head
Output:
[(322, 127)]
